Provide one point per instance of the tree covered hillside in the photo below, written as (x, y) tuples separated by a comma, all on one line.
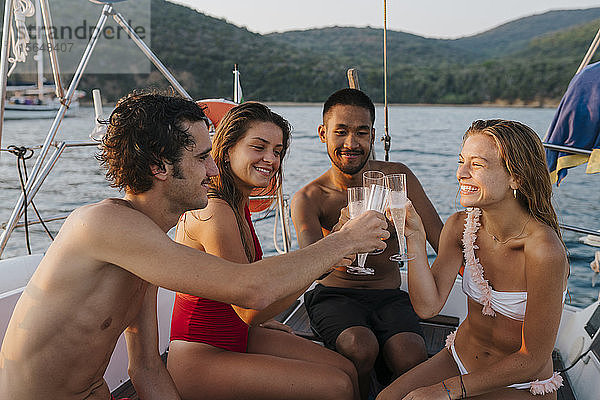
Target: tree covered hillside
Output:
[(528, 60)]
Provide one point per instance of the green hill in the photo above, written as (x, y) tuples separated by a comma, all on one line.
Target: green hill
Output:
[(531, 59), (516, 35), (357, 45)]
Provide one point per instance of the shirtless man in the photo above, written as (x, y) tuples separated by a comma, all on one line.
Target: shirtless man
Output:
[(359, 315), (100, 275)]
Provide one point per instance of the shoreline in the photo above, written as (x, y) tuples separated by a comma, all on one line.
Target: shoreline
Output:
[(546, 104)]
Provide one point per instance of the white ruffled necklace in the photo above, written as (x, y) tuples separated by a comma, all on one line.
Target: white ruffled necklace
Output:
[(472, 264)]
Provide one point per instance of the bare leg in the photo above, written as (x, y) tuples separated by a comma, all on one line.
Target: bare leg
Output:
[(360, 346), (513, 394), (282, 344), (202, 371), (441, 367), (434, 370), (404, 351)]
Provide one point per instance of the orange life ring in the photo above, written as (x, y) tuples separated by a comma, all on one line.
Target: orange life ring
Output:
[(215, 109)]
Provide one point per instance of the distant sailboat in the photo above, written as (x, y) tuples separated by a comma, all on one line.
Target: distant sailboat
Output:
[(36, 101)]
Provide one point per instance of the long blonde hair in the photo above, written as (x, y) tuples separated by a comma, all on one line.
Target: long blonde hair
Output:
[(523, 156)]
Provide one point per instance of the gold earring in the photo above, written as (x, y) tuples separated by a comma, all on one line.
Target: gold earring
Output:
[(515, 193)]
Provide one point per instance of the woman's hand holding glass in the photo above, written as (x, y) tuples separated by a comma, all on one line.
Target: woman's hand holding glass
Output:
[(397, 203), (413, 227)]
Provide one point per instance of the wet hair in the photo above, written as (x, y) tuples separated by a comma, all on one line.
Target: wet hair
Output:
[(230, 131), (523, 157), (349, 97), (145, 129)]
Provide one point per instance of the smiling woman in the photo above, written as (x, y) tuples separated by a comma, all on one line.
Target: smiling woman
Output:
[(255, 354), (514, 277)]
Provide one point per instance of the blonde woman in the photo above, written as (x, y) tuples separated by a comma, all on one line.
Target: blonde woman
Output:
[(515, 274)]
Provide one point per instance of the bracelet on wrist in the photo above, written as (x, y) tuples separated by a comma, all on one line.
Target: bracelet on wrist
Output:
[(446, 389), (463, 391)]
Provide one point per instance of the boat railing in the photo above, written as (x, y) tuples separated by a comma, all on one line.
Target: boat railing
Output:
[(573, 150)]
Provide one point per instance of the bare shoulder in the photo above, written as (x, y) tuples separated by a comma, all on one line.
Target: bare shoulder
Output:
[(216, 208), (544, 252), (455, 225), (98, 231), (388, 167), (109, 214), (312, 191), (311, 195), (456, 221), (217, 217)]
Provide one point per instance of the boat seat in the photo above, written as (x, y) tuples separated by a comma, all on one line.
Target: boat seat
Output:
[(435, 330), (566, 391)]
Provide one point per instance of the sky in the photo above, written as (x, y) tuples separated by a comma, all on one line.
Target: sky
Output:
[(429, 18)]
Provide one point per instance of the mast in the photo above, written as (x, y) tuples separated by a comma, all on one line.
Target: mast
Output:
[(39, 57), (4, 60), (386, 139), (237, 87)]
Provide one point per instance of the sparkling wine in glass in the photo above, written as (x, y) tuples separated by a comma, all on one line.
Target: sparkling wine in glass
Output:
[(357, 201), (357, 204), (397, 202), (377, 201), (371, 178)]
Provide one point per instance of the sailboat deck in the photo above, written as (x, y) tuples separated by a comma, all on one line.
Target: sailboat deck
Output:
[(435, 331)]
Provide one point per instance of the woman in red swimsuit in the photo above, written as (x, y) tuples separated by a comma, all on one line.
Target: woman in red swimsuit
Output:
[(221, 351)]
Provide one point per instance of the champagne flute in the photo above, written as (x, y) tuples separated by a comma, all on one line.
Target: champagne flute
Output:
[(357, 203), (377, 201), (397, 202), (373, 178)]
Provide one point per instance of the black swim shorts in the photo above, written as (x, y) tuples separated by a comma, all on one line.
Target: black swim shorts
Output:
[(386, 312)]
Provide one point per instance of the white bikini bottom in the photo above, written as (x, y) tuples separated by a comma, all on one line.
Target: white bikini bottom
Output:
[(536, 387)]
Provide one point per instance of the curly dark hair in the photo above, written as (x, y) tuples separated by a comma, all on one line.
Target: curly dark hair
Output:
[(145, 129)]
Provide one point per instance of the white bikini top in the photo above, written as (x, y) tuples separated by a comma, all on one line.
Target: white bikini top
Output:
[(510, 304)]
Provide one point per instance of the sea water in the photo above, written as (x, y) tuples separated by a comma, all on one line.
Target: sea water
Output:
[(425, 138)]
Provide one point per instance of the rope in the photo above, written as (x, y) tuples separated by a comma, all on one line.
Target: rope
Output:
[(576, 361), (21, 10), (24, 153)]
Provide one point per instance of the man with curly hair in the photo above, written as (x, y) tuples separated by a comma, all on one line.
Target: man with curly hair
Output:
[(99, 277)]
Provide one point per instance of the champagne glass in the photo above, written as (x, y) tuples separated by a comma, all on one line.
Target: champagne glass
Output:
[(397, 202), (373, 178), (357, 201), (377, 202), (357, 204)]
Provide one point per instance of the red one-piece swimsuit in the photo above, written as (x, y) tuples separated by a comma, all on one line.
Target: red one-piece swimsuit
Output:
[(196, 319)]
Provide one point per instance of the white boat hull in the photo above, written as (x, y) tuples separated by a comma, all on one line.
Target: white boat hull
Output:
[(34, 111)]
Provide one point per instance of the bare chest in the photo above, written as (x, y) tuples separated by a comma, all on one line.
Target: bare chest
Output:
[(503, 264)]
